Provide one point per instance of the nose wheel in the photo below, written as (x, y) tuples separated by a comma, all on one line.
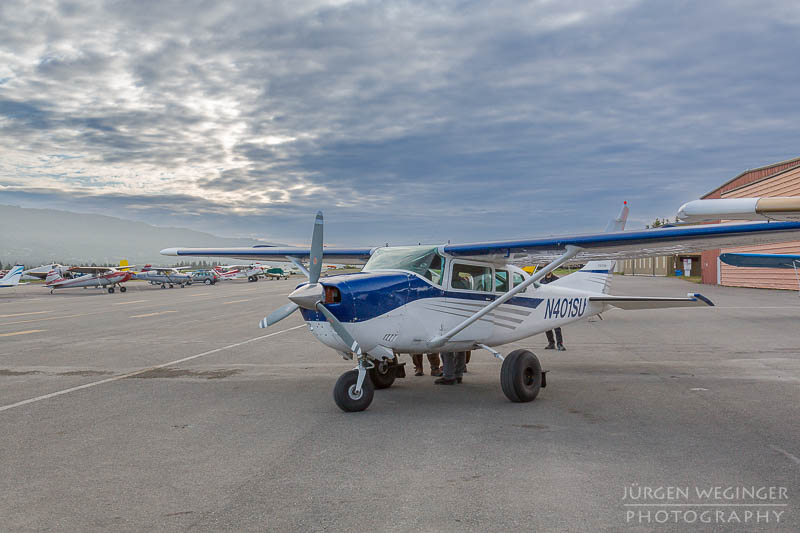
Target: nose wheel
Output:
[(349, 396)]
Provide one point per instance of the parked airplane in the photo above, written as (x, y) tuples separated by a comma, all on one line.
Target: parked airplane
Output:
[(457, 297), (251, 271), (12, 277), (88, 277), (276, 273), (164, 276), (41, 272)]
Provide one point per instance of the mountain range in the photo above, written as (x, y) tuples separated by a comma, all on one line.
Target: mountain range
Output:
[(38, 236)]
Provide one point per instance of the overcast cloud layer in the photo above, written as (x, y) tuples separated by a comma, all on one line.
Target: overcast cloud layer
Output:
[(403, 121)]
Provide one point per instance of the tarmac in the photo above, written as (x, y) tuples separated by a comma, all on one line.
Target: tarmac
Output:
[(169, 410)]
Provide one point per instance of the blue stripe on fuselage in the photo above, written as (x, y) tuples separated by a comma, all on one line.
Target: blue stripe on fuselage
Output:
[(369, 295)]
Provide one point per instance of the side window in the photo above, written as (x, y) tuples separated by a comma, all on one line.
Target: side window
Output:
[(500, 281), (472, 278), (518, 279)]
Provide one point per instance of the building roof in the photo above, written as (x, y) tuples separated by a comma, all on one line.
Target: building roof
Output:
[(749, 176)]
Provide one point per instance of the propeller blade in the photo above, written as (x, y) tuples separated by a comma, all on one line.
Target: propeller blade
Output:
[(315, 260), (278, 314), (340, 330)]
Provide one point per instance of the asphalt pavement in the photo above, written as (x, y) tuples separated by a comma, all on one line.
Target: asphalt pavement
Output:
[(169, 410)]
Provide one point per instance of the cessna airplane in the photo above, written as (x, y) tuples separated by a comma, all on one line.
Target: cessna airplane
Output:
[(88, 277), (164, 276), (457, 297), (12, 277)]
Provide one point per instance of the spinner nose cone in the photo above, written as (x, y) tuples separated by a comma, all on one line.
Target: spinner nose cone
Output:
[(307, 296), (169, 251)]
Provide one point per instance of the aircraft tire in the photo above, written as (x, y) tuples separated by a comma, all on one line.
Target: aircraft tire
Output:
[(521, 376), (123, 289), (382, 375), (170, 285), (343, 393), (207, 282), (163, 286), (111, 290)]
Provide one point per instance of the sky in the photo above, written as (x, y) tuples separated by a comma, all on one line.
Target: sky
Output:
[(402, 121)]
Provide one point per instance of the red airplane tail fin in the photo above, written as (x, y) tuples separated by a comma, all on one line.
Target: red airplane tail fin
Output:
[(52, 276)]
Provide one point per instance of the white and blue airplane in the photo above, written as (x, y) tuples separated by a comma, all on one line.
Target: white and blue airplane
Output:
[(12, 277), (457, 297), (164, 276)]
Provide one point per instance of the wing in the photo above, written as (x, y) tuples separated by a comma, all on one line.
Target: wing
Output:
[(652, 302), (90, 270), (630, 244), (761, 260), (345, 255)]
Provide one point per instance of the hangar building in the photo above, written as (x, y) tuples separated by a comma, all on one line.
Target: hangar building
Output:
[(778, 179)]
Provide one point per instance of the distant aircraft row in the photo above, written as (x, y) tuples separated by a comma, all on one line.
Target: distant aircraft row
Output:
[(56, 276)]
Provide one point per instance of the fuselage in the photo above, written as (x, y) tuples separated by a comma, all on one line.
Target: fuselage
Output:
[(90, 280), (172, 278), (400, 311)]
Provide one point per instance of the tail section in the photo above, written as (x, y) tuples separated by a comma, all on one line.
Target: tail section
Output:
[(11, 279), (52, 276), (618, 224), (596, 275)]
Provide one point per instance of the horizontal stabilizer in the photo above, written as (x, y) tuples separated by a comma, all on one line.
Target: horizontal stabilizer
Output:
[(652, 302)]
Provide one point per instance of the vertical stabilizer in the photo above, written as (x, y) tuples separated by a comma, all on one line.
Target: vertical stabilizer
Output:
[(53, 275), (596, 275), (11, 279)]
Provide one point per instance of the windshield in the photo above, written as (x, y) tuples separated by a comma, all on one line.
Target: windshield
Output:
[(422, 260)]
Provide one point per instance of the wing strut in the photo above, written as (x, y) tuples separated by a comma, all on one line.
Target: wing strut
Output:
[(571, 252)]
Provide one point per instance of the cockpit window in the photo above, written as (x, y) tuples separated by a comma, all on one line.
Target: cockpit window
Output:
[(422, 260)]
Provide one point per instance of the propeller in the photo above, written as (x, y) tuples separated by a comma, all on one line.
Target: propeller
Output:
[(310, 296)]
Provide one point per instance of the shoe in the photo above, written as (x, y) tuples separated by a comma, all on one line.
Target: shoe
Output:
[(445, 381), (436, 372), (561, 348), (419, 373), (465, 370), (458, 380), (551, 346)]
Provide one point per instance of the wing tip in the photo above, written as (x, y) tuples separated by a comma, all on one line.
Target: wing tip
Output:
[(703, 299)]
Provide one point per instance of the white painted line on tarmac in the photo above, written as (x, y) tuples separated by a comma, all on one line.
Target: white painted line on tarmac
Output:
[(21, 332), (236, 301), (24, 314), (153, 314), (142, 371), (765, 307), (49, 318), (133, 302), (787, 454)]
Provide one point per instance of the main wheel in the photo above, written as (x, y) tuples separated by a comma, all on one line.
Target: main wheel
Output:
[(344, 393), (521, 376), (207, 282), (123, 289), (382, 375), (111, 290)]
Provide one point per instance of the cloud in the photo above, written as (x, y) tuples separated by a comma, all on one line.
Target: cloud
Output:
[(404, 121)]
